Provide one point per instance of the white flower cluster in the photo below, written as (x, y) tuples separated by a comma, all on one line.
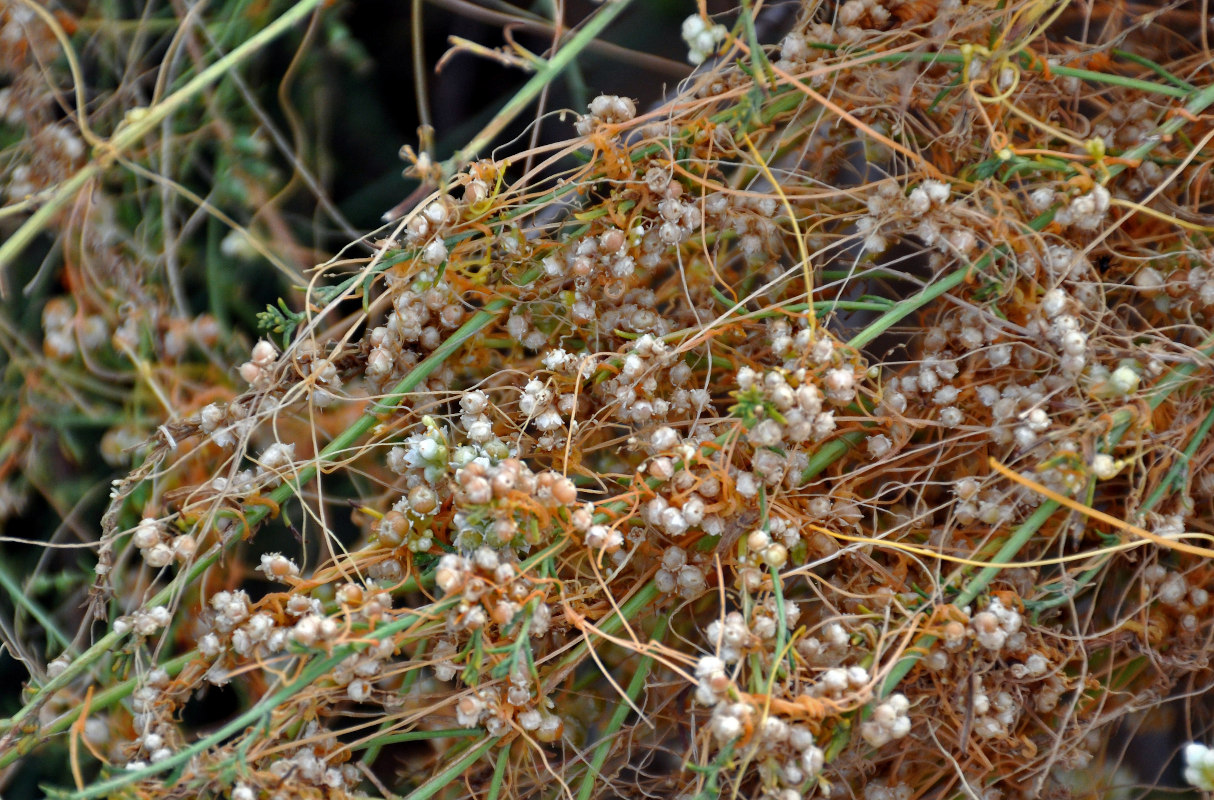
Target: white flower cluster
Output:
[(537, 403), (260, 628), (1129, 125), (314, 629), (473, 417), (427, 461), (432, 221), (247, 632), (794, 753), (932, 383), (1034, 425), (561, 361), (310, 764), (404, 523), (1199, 284), (63, 328), (677, 575), (993, 626), (765, 551), (1105, 467), (1064, 330), (732, 638), (1086, 211), (225, 423), (488, 707), (878, 446), (1034, 666), (777, 455), (487, 514), (521, 327), (1063, 264), (889, 721), (830, 646), (256, 371), (925, 213), (323, 383), (422, 312), (277, 567), (359, 671), (591, 258), (871, 12), (679, 219), (636, 390), (772, 554), (231, 609), (799, 402), (750, 217), (155, 735), (837, 681), (604, 538), (59, 150), (712, 680), (144, 622), (1172, 589), (795, 48), (277, 457), (994, 718), (670, 519), (158, 548), (367, 602), (426, 451), (880, 790), (490, 590), (1199, 766), (606, 108), (702, 38), (1048, 694)]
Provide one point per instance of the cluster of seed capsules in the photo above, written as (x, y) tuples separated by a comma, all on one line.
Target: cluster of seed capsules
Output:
[(692, 384)]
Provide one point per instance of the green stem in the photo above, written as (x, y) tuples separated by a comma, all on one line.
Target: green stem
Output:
[(622, 710), (421, 736), (549, 70), (610, 624), (499, 773), (1156, 68), (829, 453), (22, 600), (440, 781), (1182, 463), (916, 301)]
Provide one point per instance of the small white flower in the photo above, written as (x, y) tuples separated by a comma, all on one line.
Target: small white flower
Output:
[(435, 252), (1104, 466), (1199, 766), (879, 445), (264, 353), (702, 39), (1124, 380), (277, 456)]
